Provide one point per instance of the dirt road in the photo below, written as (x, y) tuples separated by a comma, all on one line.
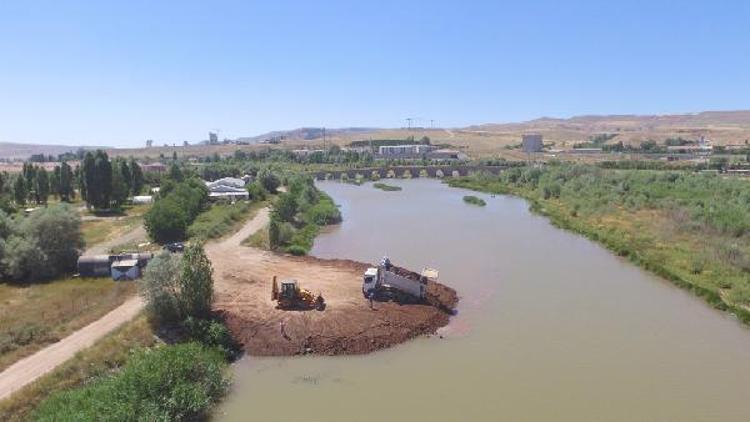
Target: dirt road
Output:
[(243, 278), (29, 369)]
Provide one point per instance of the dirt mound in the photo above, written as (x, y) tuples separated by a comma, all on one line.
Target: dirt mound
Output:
[(441, 297), (403, 272), (347, 325)]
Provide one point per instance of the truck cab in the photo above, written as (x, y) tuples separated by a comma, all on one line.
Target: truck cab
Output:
[(369, 282)]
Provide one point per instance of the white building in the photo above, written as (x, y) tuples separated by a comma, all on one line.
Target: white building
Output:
[(404, 150), (142, 199), (226, 181)]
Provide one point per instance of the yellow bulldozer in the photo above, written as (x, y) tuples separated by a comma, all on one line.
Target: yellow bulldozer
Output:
[(291, 296)]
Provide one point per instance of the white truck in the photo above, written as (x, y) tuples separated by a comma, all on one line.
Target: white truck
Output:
[(388, 281)]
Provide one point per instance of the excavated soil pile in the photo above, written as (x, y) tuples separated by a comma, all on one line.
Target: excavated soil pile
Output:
[(243, 278)]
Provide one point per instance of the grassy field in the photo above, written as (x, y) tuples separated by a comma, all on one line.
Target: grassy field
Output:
[(691, 229), (99, 229), (259, 239), (36, 315), (104, 357), (222, 219)]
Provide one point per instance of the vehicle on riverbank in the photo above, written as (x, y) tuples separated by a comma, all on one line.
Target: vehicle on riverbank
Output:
[(389, 282)]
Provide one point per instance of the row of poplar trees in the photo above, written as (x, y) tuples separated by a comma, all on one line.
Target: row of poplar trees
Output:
[(106, 184), (36, 184), (102, 183)]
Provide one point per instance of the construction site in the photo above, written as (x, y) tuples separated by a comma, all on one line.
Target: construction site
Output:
[(348, 322)]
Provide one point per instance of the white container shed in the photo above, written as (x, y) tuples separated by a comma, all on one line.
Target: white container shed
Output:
[(125, 269)]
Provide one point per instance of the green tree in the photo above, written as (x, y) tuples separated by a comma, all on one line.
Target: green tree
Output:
[(120, 189), (23, 259), (285, 207), (58, 230), (80, 182), (89, 186), (41, 186), (269, 181), (103, 171), (29, 172), (136, 174), (175, 173), (20, 193), (66, 189), (256, 191), (54, 181), (166, 221), (196, 283), (44, 245)]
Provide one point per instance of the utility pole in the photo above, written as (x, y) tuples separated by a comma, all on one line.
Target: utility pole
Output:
[(324, 139), (408, 121)]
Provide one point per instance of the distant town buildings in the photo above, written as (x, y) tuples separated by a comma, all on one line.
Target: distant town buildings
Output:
[(447, 155), (532, 142), (418, 152), (213, 138), (153, 168), (306, 152), (401, 151)]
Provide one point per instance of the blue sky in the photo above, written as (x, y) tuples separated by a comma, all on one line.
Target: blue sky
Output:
[(118, 73)]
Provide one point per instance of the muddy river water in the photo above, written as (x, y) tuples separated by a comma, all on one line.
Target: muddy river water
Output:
[(551, 327)]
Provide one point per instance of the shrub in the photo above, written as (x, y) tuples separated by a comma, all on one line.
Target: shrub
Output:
[(269, 181), (473, 200), (256, 191), (324, 212), (274, 234), (386, 187), (212, 333), (160, 287), (180, 382), (196, 283), (175, 288), (296, 250)]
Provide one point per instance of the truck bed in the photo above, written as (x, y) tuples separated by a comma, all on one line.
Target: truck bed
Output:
[(403, 272)]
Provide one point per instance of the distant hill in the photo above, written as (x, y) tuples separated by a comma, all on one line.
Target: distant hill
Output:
[(15, 151), (304, 134), (722, 127)]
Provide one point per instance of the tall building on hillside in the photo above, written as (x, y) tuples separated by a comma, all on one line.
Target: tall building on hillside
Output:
[(213, 138), (532, 142)]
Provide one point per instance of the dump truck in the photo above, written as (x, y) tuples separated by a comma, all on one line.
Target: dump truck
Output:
[(388, 281), (291, 296)]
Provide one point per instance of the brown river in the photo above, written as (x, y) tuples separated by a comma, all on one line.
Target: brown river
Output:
[(551, 327)]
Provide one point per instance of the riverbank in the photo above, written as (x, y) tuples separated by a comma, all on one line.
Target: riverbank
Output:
[(682, 226)]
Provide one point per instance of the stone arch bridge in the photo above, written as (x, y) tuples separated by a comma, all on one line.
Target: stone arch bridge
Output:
[(403, 172)]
